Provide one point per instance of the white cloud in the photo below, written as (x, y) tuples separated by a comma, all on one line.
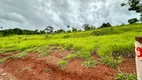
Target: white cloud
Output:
[(37, 14)]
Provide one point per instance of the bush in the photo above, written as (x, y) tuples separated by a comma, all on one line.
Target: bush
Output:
[(134, 20), (105, 25)]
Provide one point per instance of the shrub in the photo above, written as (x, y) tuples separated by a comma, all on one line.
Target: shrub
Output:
[(134, 20)]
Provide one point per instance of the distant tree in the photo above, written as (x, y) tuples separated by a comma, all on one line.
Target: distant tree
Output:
[(1, 28), (17, 31), (105, 25), (122, 24), (123, 4), (68, 26), (36, 31), (86, 27), (108, 24), (49, 29), (42, 32), (74, 29), (55, 31), (141, 18), (68, 31), (134, 5), (28, 32), (134, 20), (93, 27), (60, 31), (79, 30)]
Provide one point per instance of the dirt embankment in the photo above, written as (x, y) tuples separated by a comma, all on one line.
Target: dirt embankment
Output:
[(32, 67)]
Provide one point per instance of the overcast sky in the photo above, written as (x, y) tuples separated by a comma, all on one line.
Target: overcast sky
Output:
[(37, 14)]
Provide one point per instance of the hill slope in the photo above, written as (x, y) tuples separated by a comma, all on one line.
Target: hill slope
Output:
[(112, 41)]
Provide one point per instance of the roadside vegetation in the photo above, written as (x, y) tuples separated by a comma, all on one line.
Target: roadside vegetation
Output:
[(126, 76), (111, 44), (106, 42)]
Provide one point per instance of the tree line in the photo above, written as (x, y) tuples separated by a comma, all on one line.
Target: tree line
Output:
[(47, 30), (50, 29), (134, 5)]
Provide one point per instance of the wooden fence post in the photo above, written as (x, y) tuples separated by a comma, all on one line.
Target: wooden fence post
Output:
[(138, 53)]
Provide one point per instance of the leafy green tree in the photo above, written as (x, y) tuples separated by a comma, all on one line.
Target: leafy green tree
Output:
[(49, 29), (141, 18), (134, 20), (79, 30), (17, 31), (123, 4), (60, 31), (93, 27), (105, 25), (69, 31), (86, 27), (68, 26), (42, 32), (134, 5), (36, 32), (1, 28), (74, 29)]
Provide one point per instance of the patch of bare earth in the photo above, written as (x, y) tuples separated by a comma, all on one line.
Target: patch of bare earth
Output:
[(101, 72), (33, 67), (7, 54), (128, 66)]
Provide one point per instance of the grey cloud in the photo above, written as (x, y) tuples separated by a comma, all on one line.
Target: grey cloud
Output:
[(36, 14), (11, 17)]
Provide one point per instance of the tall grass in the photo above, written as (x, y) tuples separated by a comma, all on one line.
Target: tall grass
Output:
[(115, 41)]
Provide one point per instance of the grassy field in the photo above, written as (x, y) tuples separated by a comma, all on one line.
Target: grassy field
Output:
[(107, 43)]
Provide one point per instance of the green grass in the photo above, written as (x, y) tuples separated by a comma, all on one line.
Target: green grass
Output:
[(112, 42), (70, 57), (127, 76), (42, 50), (62, 63), (44, 54), (111, 61), (4, 59), (90, 63)]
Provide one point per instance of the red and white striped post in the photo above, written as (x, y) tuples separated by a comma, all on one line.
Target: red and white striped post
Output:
[(138, 51)]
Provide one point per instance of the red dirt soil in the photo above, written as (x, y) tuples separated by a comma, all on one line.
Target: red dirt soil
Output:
[(32, 67), (7, 54), (128, 66)]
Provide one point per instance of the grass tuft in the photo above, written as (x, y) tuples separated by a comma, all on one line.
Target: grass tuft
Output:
[(45, 53), (90, 63), (70, 57), (127, 76), (62, 63), (112, 62), (4, 59)]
